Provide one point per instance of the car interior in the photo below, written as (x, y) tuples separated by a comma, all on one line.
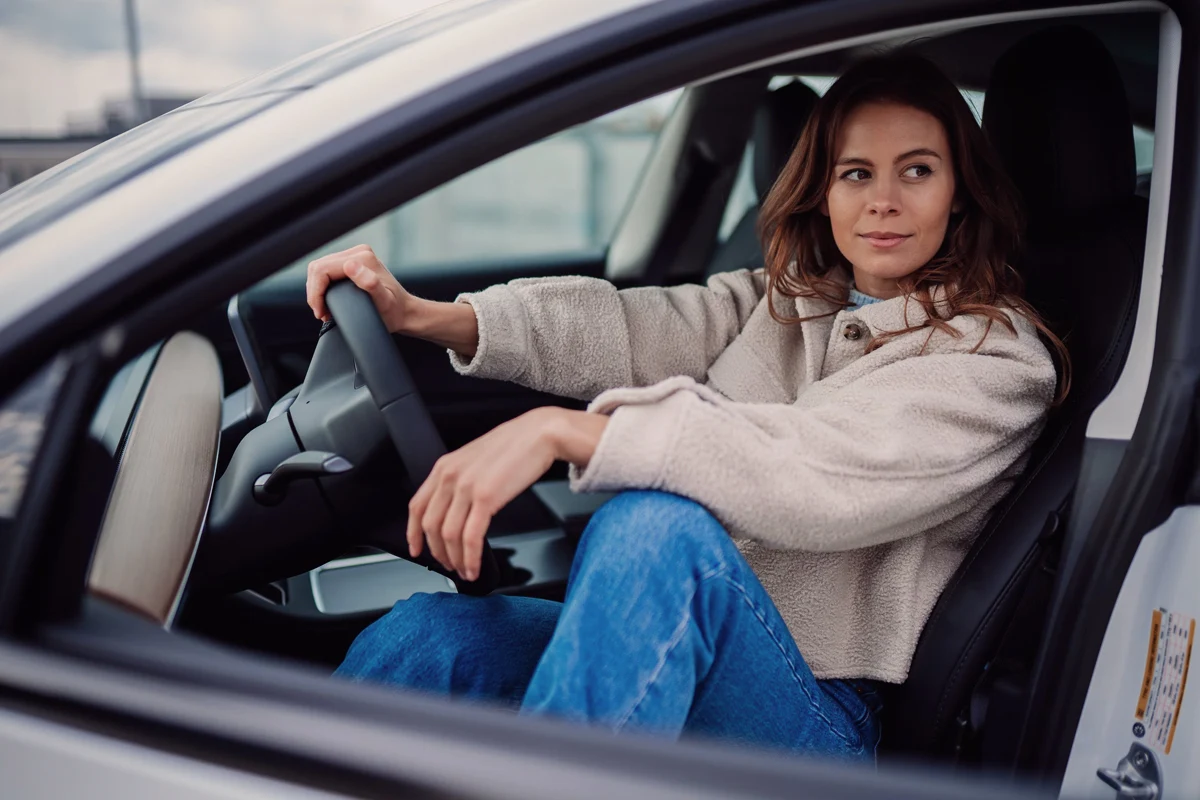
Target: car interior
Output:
[(311, 437)]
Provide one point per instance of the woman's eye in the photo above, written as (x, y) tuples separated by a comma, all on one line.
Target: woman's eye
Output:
[(855, 175), (917, 171)]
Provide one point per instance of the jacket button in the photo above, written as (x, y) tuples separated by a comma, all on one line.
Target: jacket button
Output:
[(853, 331)]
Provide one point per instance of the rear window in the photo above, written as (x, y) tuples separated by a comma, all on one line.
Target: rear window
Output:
[(57, 191), (743, 196)]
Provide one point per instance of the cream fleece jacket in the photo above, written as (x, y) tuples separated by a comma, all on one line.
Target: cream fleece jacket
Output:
[(853, 483)]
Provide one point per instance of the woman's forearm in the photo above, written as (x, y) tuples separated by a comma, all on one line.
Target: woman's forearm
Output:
[(451, 325), (575, 434)]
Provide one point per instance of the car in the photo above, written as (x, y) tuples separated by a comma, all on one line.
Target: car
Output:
[(201, 487)]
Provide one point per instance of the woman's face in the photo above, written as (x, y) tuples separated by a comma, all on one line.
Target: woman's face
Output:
[(892, 193)]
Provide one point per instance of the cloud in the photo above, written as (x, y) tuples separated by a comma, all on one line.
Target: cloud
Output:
[(62, 60), (79, 26), (41, 85)]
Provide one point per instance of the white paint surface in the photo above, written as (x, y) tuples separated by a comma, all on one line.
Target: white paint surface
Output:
[(40, 759), (1165, 574)]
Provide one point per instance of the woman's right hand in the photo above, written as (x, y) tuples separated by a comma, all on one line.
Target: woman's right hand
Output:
[(451, 325), (367, 272)]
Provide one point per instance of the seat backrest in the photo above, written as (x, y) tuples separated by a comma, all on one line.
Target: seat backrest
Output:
[(777, 126), (1057, 114)]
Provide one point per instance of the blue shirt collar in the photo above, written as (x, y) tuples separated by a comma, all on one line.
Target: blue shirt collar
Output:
[(858, 299)]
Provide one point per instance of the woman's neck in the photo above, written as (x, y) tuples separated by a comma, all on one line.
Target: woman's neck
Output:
[(880, 288)]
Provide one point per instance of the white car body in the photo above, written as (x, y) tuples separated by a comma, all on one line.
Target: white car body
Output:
[(75, 247)]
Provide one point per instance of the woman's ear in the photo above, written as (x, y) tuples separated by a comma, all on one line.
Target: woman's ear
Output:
[(824, 207), (957, 207)]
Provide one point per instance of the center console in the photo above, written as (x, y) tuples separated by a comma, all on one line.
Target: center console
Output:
[(533, 563)]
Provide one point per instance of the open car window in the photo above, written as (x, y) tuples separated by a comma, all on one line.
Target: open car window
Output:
[(562, 197), (743, 197)]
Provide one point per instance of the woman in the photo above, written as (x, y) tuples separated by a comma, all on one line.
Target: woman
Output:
[(804, 453)]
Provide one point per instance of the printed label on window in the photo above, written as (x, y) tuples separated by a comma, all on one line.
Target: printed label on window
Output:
[(1167, 660)]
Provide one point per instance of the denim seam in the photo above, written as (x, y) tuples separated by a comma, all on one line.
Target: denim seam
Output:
[(860, 746), (863, 716), (674, 641), (677, 637)]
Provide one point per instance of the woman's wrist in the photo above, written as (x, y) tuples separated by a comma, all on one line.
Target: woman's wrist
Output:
[(574, 435), (414, 317), (451, 325)]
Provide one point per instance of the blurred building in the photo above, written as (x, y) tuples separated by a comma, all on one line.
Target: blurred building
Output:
[(118, 116), (22, 157)]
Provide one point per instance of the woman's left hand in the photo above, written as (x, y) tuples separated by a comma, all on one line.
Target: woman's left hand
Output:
[(467, 487)]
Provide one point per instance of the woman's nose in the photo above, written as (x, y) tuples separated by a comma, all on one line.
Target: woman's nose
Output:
[(884, 199)]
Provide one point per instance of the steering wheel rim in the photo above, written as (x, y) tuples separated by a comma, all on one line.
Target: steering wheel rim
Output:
[(405, 414)]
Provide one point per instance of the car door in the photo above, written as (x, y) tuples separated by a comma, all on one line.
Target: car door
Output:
[(551, 208), (1111, 710), (93, 667)]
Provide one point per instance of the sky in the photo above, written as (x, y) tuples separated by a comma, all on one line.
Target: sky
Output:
[(61, 59)]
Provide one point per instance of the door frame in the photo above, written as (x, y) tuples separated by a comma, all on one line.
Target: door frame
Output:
[(1127, 491), (222, 702)]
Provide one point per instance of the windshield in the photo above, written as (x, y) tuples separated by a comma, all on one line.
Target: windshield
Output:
[(58, 190)]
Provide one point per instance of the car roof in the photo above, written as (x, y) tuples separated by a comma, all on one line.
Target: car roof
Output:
[(90, 210)]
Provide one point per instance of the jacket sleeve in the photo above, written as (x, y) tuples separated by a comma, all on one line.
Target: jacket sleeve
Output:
[(887, 456), (578, 336)]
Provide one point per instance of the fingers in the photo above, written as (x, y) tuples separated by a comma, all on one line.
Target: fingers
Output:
[(315, 288), (334, 267), (452, 517), (473, 534), (414, 534), (452, 528), (416, 510), (431, 522)]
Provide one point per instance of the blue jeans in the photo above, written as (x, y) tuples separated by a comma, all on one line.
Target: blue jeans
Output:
[(664, 628)]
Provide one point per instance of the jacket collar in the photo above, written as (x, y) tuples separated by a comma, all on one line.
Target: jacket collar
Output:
[(886, 316)]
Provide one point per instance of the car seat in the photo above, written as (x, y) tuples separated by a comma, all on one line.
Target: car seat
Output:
[(1057, 113), (777, 126)]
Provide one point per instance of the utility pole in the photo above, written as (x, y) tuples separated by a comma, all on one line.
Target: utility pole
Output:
[(135, 72)]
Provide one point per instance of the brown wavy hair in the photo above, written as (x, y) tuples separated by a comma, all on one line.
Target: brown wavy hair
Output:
[(973, 265)]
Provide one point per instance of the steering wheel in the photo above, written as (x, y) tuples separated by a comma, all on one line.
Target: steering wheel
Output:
[(405, 415)]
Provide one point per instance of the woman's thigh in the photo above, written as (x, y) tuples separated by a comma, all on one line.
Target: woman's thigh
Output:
[(483, 648), (760, 691), (686, 597)]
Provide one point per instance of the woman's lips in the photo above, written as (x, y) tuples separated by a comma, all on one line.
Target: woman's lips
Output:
[(884, 240)]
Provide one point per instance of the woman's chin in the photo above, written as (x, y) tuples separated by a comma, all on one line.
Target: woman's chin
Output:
[(884, 266)]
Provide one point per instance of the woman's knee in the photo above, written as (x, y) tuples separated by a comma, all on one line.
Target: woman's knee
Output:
[(409, 644), (482, 647), (655, 526)]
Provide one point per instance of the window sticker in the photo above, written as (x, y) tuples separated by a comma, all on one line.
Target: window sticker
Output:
[(1167, 660)]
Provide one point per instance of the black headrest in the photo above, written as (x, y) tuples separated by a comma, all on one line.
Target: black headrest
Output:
[(1057, 114), (777, 126)]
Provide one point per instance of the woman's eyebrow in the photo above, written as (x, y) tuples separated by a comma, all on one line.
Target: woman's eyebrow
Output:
[(865, 162), (920, 151)]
